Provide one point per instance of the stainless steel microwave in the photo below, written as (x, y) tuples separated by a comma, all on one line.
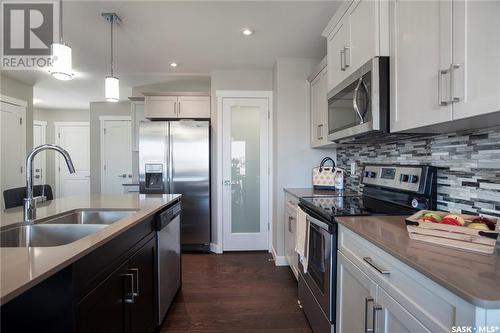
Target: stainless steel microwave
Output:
[(359, 106)]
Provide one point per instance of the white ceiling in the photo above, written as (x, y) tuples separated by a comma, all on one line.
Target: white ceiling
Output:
[(201, 36)]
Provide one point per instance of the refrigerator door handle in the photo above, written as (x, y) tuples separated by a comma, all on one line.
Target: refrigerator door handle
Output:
[(170, 160)]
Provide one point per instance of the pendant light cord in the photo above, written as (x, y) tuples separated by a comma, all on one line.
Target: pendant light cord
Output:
[(61, 21), (112, 21)]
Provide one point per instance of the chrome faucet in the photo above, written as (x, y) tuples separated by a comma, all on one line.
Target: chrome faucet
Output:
[(29, 201)]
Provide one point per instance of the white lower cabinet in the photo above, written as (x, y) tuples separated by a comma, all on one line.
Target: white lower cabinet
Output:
[(390, 316), (290, 230), (356, 294), (378, 293)]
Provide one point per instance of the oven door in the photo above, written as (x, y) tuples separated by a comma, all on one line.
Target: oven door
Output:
[(321, 267), (359, 104)]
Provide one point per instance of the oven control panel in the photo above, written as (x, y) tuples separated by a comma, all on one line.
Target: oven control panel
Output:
[(407, 178)]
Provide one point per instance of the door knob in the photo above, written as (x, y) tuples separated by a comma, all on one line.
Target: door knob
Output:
[(228, 182)]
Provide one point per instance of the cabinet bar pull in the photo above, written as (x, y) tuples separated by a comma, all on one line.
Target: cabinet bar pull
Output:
[(347, 56), (376, 308), (370, 262), (367, 300), (453, 76), (179, 108), (135, 287), (129, 295), (342, 59), (290, 219), (441, 75)]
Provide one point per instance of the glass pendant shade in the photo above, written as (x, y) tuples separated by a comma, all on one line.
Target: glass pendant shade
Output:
[(61, 68), (111, 89)]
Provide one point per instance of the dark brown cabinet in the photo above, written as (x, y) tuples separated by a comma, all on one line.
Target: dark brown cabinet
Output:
[(141, 310), (124, 301)]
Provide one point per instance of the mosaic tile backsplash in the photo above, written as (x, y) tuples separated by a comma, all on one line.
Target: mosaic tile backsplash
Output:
[(468, 165)]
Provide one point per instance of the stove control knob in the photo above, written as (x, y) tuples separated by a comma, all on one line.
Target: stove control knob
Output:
[(404, 178), (372, 174), (414, 179), (367, 173), (414, 203)]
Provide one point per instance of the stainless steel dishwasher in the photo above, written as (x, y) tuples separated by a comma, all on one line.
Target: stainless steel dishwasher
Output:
[(168, 241)]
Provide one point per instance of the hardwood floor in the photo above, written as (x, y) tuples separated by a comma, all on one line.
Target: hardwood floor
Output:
[(235, 292)]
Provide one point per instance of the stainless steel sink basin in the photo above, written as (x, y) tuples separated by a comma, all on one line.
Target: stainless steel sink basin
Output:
[(105, 217), (42, 235)]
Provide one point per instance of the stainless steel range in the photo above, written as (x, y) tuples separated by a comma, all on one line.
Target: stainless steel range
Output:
[(388, 190)]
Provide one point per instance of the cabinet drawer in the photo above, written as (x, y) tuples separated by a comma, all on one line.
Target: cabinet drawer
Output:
[(434, 306)]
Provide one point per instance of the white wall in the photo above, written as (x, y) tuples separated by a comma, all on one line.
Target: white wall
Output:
[(230, 80), (187, 83), (98, 109), (52, 116), (293, 156)]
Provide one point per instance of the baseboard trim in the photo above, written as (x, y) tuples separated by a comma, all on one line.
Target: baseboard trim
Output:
[(279, 260), (215, 248)]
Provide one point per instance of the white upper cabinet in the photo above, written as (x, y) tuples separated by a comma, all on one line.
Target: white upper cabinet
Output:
[(336, 47), (160, 106), (185, 106), (194, 106), (445, 63), (360, 34), (420, 56), (319, 109), (476, 58)]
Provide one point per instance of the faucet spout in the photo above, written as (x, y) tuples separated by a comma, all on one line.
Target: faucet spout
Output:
[(29, 201)]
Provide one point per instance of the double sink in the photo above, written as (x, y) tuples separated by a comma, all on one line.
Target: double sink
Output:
[(61, 229)]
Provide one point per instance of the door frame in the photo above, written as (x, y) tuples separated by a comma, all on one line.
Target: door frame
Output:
[(23, 105), (102, 120), (43, 126), (57, 126), (220, 95)]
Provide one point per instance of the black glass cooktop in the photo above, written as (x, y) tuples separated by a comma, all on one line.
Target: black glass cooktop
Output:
[(335, 206)]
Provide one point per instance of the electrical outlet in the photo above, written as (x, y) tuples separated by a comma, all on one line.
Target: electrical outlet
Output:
[(353, 169)]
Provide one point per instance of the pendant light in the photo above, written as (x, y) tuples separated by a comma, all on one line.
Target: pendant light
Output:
[(111, 83), (61, 68)]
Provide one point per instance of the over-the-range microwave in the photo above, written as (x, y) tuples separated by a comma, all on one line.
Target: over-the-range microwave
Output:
[(359, 105)]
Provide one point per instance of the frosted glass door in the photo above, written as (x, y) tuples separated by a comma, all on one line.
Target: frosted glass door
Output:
[(245, 142)]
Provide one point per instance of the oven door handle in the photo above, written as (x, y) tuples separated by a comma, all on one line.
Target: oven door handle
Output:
[(317, 222)]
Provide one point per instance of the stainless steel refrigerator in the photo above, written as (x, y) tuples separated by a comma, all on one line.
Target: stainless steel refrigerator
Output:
[(174, 157)]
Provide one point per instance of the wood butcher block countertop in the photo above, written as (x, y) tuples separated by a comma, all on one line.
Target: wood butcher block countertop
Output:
[(23, 267), (471, 276)]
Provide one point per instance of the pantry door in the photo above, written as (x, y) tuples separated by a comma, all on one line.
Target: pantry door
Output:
[(245, 142)]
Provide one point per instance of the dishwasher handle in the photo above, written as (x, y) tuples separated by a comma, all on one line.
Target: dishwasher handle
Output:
[(167, 216)]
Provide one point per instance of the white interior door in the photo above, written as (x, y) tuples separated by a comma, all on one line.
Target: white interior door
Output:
[(12, 146), (40, 162), (116, 155), (75, 138), (245, 173)]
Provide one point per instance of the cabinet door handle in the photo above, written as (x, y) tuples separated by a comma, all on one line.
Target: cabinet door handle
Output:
[(129, 293), (376, 308), (319, 132), (367, 300), (370, 262), (342, 54), (290, 219), (135, 272), (441, 76), (175, 108), (453, 76), (347, 56), (179, 108)]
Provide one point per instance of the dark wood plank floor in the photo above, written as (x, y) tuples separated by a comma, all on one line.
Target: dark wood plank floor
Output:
[(235, 292)]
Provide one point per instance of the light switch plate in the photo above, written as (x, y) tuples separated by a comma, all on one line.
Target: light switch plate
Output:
[(353, 169)]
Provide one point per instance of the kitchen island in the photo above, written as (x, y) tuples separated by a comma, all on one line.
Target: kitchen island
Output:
[(63, 280)]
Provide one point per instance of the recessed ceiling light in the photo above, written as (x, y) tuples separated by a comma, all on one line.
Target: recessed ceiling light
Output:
[(247, 31), (173, 64)]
